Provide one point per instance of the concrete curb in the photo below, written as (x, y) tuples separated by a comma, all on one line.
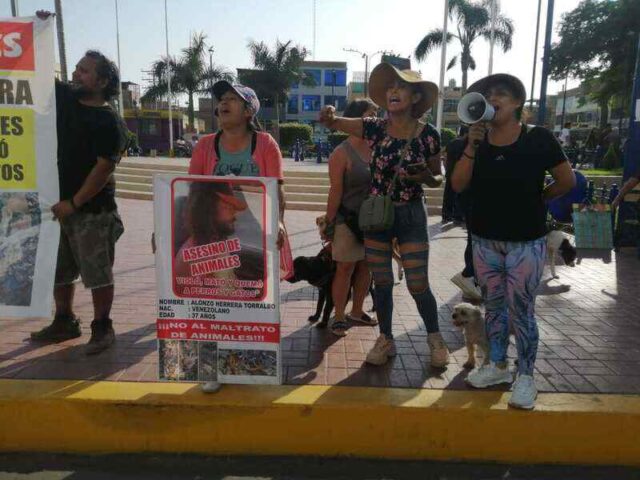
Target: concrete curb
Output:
[(120, 417)]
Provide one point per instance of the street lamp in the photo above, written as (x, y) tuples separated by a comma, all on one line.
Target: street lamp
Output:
[(333, 87), (366, 65), (211, 85), (120, 102)]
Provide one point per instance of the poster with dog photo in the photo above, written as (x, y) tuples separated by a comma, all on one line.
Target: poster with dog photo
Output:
[(28, 169), (217, 268)]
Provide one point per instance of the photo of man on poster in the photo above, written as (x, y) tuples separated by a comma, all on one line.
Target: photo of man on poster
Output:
[(217, 241)]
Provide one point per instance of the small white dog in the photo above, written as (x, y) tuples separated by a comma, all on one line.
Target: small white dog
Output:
[(558, 242), (470, 319)]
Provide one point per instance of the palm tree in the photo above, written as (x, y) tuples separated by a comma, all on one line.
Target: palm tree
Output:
[(473, 20), (280, 69), (190, 74)]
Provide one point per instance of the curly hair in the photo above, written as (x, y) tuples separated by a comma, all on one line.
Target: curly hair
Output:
[(106, 70)]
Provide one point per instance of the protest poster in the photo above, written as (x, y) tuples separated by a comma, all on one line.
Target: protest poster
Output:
[(28, 167), (217, 268)]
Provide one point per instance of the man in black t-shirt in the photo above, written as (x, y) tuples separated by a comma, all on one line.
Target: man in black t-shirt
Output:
[(90, 140)]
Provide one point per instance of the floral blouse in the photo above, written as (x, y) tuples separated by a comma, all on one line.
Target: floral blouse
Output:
[(386, 156)]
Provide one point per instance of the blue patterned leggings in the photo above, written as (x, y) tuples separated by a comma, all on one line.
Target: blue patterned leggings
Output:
[(509, 274)]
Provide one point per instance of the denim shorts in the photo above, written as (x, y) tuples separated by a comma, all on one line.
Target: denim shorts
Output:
[(409, 225)]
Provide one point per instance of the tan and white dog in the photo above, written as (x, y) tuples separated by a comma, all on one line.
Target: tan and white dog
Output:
[(470, 319)]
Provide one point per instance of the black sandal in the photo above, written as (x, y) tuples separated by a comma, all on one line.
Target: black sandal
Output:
[(339, 328)]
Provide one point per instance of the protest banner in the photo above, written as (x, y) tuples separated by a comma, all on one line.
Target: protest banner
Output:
[(217, 271), (28, 168)]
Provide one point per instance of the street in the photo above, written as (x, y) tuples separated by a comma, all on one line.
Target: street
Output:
[(178, 467)]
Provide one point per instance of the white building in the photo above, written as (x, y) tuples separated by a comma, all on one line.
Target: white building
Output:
[(304, 102)]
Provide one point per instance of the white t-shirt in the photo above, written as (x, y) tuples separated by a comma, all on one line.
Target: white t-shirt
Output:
[(565, 136)]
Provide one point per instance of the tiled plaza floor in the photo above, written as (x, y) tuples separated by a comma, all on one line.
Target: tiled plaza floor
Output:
[(589, 324)]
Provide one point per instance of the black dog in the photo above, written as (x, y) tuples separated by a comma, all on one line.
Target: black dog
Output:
[(319, 272)]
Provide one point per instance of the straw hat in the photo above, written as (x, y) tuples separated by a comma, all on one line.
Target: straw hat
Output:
[(385, 75)]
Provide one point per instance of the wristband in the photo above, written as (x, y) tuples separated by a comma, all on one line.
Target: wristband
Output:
[(73, 204), (464, 154)]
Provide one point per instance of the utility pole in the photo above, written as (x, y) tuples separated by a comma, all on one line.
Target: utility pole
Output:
[(120, 103), (624, 232), (14, 8), (535, 57), (366, 65), (314, 32), (564, 102), (443, 63), (542, 105), (166, 31), (61, 45)]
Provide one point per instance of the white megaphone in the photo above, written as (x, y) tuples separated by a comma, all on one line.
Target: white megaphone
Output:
[(474, 108)]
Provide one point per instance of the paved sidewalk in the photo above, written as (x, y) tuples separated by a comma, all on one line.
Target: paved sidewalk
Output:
[(589, 324)]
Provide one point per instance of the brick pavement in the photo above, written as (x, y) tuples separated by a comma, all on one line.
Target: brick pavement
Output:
[(589, 324)]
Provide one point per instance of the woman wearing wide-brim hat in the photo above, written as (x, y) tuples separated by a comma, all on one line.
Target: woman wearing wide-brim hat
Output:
[(406, 97), (504, 163)]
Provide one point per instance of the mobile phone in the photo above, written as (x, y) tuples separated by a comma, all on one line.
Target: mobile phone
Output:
[(414, 168)]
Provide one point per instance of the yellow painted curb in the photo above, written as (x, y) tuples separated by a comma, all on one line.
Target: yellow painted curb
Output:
[(117, 417)]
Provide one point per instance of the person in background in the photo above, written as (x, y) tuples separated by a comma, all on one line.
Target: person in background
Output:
[(504, 163), (450, 205), (464, 280), (565, 135), (405, 97), (350, 181)]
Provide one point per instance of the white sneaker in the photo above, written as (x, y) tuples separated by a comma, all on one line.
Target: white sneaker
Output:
[(381, 351), (468, 286), (524, 393), (488, 375)]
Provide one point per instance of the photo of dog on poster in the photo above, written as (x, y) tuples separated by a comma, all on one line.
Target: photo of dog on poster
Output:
[(218, 239), (20, 219)]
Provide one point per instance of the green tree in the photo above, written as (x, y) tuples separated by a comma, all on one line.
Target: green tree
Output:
[(279, 69), (597, 44), (190, 74), (472, 21)]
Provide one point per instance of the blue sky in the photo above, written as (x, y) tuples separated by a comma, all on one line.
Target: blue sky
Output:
[(367, 25)]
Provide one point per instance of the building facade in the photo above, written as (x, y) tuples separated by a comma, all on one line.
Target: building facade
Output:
[(304, 102), (578, 109)]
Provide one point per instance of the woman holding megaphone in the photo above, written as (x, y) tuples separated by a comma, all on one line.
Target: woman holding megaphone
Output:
[(504, 163), (402, 150)]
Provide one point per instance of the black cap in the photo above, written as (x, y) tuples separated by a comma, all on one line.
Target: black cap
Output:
[(514, 85)]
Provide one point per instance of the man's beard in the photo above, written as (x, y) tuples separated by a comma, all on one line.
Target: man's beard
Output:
[(79, 91)]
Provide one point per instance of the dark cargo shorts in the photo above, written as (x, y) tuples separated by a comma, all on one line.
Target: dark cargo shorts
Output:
[(87, 248)]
